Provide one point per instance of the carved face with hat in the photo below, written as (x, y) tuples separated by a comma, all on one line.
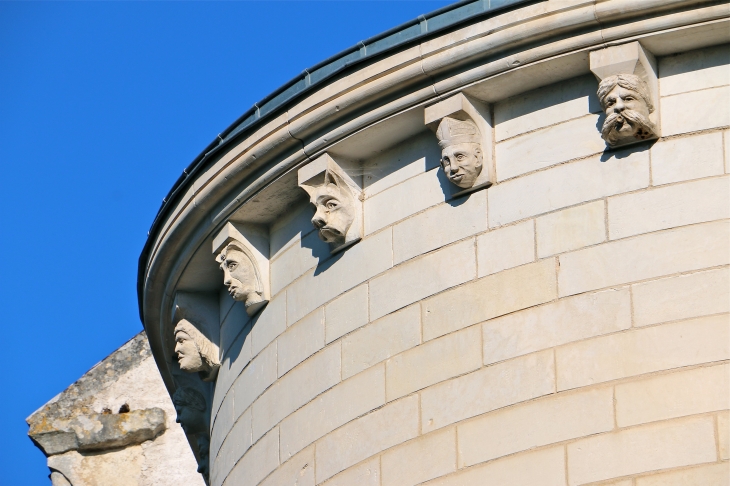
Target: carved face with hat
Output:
[(461, 152)]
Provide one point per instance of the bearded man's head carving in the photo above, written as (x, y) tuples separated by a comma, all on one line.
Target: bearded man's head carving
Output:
[(461, 151), (626, 100)]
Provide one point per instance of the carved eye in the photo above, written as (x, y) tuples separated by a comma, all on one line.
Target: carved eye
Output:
[(232, 265), (460, 156), (628, 98), (331, 204)]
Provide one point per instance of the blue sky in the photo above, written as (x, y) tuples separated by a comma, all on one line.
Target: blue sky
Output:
[(102, 104)]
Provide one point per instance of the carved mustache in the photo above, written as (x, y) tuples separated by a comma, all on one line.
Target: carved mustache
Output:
[(613, 123)]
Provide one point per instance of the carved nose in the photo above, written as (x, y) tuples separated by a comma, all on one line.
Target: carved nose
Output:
[(618, 107), (318, 221)]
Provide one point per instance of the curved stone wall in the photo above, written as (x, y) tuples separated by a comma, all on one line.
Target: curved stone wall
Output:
[(564, 323)]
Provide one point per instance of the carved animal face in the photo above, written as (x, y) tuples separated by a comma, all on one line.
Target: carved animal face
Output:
[(239, 275), (188, 355), (627, 117), (335, 211), (462, 163)]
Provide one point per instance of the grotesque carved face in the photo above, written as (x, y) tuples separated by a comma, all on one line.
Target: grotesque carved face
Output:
[(188, 354), (625, 99), (462, 163), (190, 408), (335, 212), (239, 275)]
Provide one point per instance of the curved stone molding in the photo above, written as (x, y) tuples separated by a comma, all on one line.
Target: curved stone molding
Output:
[(628, 92), (463, 127), (336, 198), (242, 253), (195, 317)]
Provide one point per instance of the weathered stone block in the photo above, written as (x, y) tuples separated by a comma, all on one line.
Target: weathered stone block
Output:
[(695, 70), (395, 423), (505, 248), (439, 226), (268, 324), (643, 257), (665, 347), (668, 207), (296, 471), (296, 260), (566, 185), (571, 229), (380, 340), (708, 475), (556, 323), (685, 158), (487, 389), (405, 284), (344, 402), (300, 341), (421, 459), (433, 362), (675, 395), (723, 432), (257, 463), (346, 313), (364, 474), (236, 443), (676, 118), (681, 297), (256, 378), (538, 423), (489, 297), (641, 449)]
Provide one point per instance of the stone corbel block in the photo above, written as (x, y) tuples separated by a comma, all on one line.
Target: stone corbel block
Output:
[(337, 198), (628, 92), (195, 317), (242, 252), (464, 125)]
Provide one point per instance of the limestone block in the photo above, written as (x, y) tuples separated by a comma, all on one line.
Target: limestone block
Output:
[(296, 260), (58, 479), (290, 229), (667, 207), (380, 340), (243, 254), (571, 229), (723, 430), (432, 362), (258, 462), (489, 297), (269, 324), (538, 149), (370, 257), (237, 443), (393, 424), (643, 257), (505, 248), (335, 194), (399, 202), (315, 375), (119, 469), (410, 158), (222, 424), (463, 126), (346, 313), (256, 378), (709, 475), (545, 467), (556, 323), (487, 389), (343, 403), (300, 341), (406, 284), (682, 297), (676, 118), (695, 70), (566, 185), (235, 322), (537, 423), (237, 358), (421, 459), (546, 106), (641, 449), (680, 159), (726, 137), (296, 471), (675, 395), (364, 474), (439, 226), (701, 340)]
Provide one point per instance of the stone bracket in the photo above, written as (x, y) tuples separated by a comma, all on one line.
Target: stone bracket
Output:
[(463, 107)]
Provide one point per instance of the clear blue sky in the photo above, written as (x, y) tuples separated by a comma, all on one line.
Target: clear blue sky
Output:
[(102, 104)]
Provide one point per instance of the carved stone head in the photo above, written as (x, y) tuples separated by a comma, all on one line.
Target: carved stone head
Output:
[(195, 353), (241, 275), (190, 407), (461, 151), (204, 453), (627, 103), (335, 208)]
